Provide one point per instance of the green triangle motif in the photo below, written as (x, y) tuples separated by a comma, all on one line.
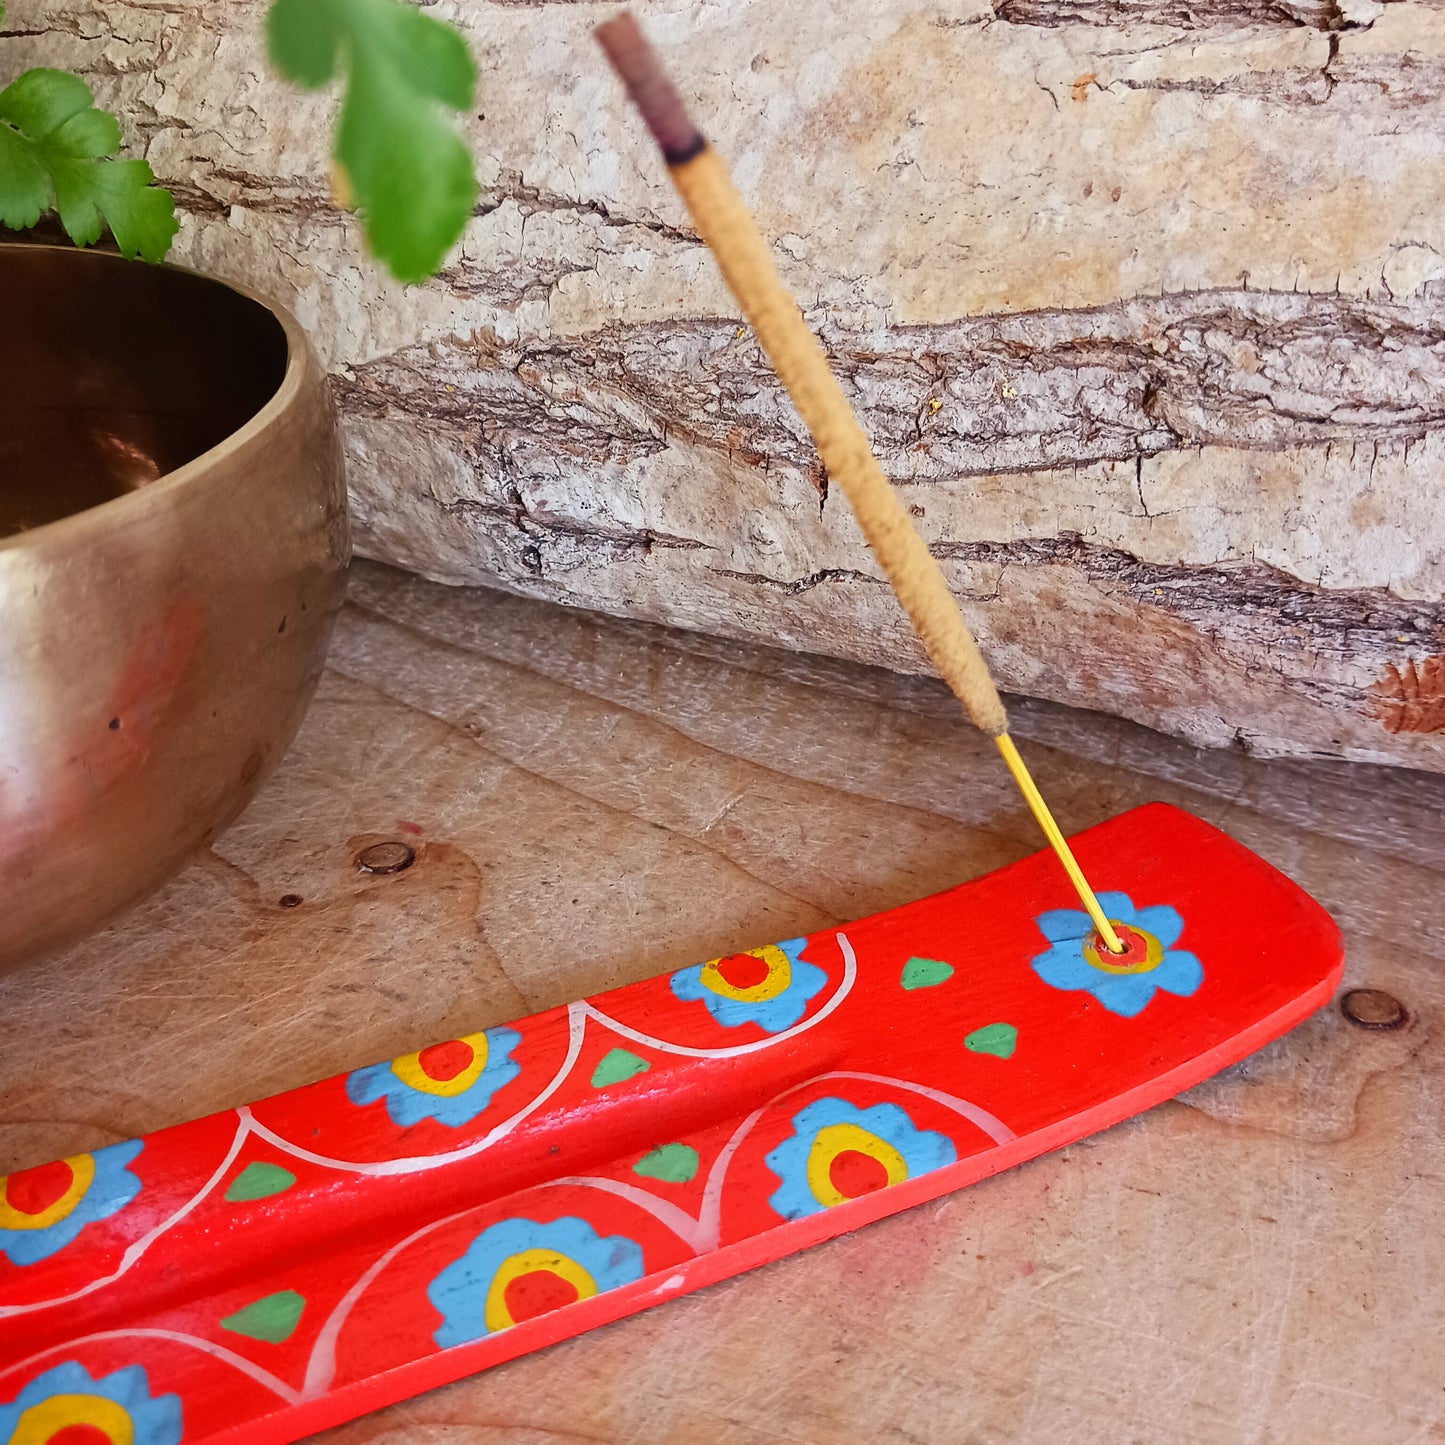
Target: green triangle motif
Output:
[(673, 1163), (617, 1065), (259, 1181), (925, 973), (997, 1039), (272, 1318)]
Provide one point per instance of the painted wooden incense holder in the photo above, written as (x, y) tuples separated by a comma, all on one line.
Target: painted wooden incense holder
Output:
[(268, 1271)]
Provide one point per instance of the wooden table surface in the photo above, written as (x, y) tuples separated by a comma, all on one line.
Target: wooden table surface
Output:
[(592, 802)]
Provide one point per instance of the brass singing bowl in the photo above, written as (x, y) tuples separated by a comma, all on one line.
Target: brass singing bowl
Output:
[(173, 549)]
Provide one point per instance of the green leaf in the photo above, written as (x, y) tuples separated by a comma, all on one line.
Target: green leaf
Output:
[(925, 973), (408, 172), (672, 1163), (259, 1180), (42, 100), (54, 150), (272, 1319), (90, 133), (1000, 1040), (302, 37), (435, 59), (616, 1066), (24, 184)]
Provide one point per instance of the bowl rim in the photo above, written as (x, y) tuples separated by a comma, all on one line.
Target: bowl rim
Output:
[(299, 361)]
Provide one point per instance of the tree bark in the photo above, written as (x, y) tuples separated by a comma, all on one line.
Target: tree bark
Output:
[(1140, 300)]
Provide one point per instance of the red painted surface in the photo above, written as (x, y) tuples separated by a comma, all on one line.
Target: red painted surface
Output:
[(33, 1191), (446, 1060), (81, 1434), (439, 1218)]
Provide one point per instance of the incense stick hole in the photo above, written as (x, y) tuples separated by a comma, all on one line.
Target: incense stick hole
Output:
[(1131, 946)]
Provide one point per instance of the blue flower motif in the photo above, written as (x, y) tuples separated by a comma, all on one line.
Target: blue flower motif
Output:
[(519, 1269), (1123, 983), (43, 1209), (118, 1406), (769, 986), (451, 1082), (839, 1152)]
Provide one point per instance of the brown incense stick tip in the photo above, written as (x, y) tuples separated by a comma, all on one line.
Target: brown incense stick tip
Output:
[(651, 91)]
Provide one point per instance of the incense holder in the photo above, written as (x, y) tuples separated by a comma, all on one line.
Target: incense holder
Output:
[(277, 1268)]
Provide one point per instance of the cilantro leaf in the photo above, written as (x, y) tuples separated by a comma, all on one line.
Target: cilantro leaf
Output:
[(302, 37), (55, 148), (406, 168)]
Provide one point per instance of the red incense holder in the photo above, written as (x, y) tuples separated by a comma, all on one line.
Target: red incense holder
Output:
[(275, 1269)]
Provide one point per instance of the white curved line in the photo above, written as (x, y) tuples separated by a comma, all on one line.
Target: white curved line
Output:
[(321, 1366), (710, 1215), (261, 1376), (140, 1246), (991, 1125), (419, 1163), (669, 1215), (850, 974)]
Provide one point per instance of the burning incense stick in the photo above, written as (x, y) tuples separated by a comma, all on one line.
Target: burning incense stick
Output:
[(798, 358)]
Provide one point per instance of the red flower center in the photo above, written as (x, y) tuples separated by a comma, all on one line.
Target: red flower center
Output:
[(80, 1435), (853, 1173), (33, 1191), (535, 1293), (742, 970), (1136, 946), (445, 1061)]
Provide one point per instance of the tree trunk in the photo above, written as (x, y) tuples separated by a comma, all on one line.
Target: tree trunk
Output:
[(1140, 300)]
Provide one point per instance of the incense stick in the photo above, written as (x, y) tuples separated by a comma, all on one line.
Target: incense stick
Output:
[(742, 255)]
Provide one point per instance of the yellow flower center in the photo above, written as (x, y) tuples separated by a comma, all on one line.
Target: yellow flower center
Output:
[(754, 976), (1142, 951), (64, 1413)]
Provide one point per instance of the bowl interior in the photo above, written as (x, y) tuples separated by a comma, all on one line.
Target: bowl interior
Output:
[(116, 372)]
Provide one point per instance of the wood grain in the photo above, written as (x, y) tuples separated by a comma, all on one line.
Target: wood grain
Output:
[(600, 801), (1140, 300)]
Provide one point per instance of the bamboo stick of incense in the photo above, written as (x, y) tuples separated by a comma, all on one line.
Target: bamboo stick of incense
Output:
[(802, 366)]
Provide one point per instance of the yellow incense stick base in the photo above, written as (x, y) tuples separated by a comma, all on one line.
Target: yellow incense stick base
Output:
[(1057, 841)]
